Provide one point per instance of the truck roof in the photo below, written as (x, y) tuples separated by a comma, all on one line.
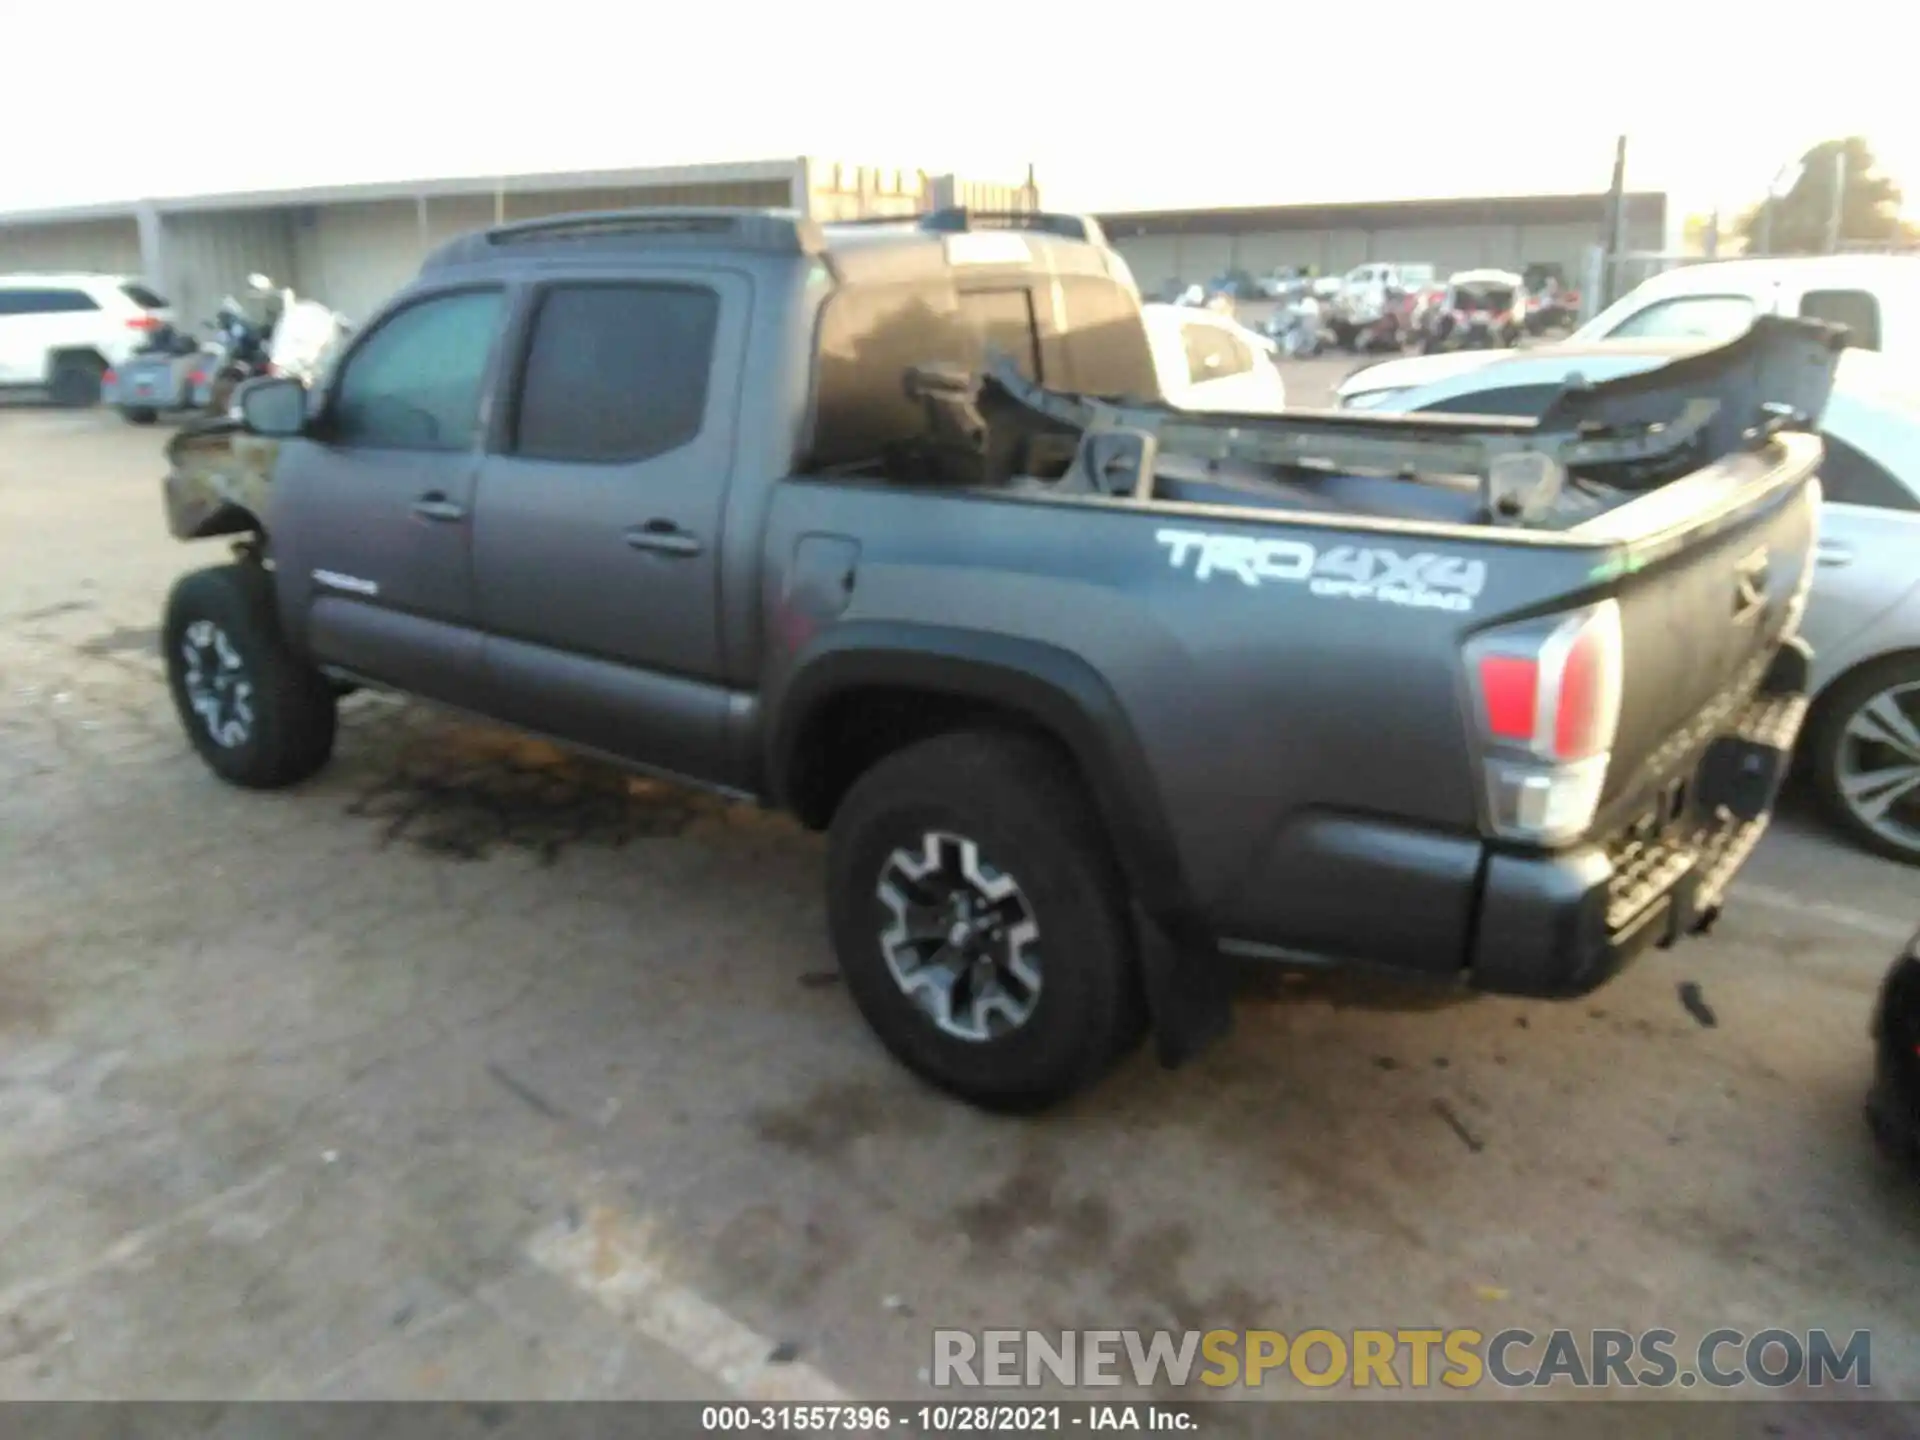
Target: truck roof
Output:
[(878, 251)]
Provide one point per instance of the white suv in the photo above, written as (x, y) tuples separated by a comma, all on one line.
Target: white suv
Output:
[(65, 331)]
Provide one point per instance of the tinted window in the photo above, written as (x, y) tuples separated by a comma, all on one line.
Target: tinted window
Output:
[(1521, 402), (143, 297), (1003, 319), (1848, 477), (414, 384), (45, 302), (1214, 353), (1690, 317), (616, 372), (1855, 309)]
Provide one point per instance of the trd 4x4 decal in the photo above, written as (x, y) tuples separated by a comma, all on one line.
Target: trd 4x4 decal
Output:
[(1423, 580)]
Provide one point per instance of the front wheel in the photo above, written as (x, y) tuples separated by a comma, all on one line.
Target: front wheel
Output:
[(1865, 751), (981, 922), (257, 714)]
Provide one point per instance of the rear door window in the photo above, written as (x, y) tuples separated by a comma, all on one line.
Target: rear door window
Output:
[(1688, 317), (49, 302), (616, 373), (1855, 309)]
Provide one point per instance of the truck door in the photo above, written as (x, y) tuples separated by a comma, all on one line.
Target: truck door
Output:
[(598, 545), (371, 515)]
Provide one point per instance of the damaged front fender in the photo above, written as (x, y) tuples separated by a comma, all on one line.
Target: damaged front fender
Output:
[(217, 481)]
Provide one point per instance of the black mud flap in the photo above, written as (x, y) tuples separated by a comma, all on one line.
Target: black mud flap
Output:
[(1189, 991)]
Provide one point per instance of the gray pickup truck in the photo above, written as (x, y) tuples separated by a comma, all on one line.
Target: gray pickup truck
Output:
[(886, 525)]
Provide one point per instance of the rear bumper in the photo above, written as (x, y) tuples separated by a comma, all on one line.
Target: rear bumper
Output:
[(1546, 924)]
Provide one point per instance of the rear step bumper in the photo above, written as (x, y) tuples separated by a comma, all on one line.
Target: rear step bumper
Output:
[(1561, 925)]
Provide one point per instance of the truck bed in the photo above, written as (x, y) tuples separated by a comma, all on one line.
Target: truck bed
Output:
[(1595, 448)]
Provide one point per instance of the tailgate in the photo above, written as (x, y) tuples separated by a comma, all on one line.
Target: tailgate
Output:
[(1705, 602)]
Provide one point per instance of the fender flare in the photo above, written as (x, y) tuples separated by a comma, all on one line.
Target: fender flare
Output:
[(1054, 689)]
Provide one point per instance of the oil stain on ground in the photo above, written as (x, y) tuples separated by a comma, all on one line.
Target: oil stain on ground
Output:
[(465, 792), (123, 640)]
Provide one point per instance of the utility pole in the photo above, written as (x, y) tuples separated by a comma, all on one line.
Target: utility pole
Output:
[(1836, 211), (1616, 225)]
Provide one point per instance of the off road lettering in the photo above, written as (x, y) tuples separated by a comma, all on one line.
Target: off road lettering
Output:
[(1423, 580)]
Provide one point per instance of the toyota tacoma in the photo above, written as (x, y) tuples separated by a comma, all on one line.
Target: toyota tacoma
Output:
[(888, 526)]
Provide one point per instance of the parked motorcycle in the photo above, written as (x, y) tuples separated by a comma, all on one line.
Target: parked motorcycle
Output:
[(1298, 327), (158, 376), (297, 340), (1482, 309), (1370, 320)]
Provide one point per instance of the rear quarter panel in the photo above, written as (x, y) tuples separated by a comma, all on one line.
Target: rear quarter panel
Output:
[(1252, 701)]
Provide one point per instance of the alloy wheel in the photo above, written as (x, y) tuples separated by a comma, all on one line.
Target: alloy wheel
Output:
[(961, 939), (218, 688), (1878, 767)]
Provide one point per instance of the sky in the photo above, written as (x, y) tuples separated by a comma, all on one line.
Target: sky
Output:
[(1117, 108)]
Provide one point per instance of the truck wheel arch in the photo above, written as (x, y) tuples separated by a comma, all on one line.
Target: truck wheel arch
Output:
[(953, 679)]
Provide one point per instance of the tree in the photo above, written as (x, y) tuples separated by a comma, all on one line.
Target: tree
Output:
[(1869, 207)]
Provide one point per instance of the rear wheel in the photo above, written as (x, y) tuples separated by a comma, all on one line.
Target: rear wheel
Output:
[(1866, 757), (75, 381), (981, 922), (258, 714)]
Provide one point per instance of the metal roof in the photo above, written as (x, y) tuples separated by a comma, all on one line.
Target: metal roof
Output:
[(446, 188), (1644, 205)]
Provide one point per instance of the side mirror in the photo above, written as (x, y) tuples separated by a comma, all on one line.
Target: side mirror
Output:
[(272, 406)]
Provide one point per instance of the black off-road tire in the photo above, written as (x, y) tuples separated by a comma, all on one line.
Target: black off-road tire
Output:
[(1826, 734), (292, 704), (139, 414), (1018, 799), (76, 381)]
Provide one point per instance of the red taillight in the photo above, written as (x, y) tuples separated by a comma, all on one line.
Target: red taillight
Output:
[(1548, 699), (143, 322), (109, 378), (1510, 691), (1580, 725), (198, 377)]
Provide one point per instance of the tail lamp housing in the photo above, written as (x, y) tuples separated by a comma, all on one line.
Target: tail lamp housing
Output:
[(1546, 703)]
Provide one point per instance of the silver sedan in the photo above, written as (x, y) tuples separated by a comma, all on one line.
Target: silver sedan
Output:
[(1862, 740)]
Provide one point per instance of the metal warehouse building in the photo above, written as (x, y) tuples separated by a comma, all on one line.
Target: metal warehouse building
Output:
[(1176, 247), (352, 246)]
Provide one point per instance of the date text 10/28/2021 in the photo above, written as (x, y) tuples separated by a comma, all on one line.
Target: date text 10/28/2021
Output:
[(945, 1419)]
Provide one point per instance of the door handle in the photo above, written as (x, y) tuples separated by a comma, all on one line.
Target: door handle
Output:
[(436, 506), (663, 537), (1834, 555)]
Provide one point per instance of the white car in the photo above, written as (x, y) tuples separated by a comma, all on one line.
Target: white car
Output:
[(64, 332), (1862, 738), (1208, 361), (1877, 297)]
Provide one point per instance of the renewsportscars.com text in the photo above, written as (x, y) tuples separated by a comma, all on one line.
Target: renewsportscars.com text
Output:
[(1403, 1358)]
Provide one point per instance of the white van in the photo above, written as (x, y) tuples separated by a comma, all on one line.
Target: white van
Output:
[(1394, 275), (1877, 297)]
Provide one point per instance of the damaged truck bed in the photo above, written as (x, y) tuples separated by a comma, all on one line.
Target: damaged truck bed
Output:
[(1089, 692)]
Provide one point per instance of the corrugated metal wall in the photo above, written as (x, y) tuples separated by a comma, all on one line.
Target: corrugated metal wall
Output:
[(1162, 262), (112, 246), (354, 256), (207, 256)]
